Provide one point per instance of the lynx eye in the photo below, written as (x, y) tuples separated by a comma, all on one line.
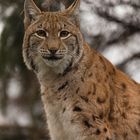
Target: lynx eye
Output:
[(64, 34), (41, 33)]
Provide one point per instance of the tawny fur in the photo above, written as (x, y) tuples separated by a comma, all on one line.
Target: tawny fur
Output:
[(85, 97)]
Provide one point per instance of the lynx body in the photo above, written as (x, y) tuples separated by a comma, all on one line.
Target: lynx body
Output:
[(85, 97)]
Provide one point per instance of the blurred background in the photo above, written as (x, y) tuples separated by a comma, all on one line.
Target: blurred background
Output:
[(112, 27)]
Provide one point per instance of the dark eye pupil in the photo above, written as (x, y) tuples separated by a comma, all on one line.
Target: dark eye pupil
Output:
[(41, 33), (64, 33)]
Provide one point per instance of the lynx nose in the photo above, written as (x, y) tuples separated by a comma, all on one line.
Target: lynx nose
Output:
[(53, 50)]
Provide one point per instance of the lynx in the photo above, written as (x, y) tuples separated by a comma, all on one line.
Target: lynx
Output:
[(84, 96)]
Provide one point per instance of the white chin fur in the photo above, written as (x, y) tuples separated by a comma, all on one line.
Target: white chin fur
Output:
[(57, 66), (54, 63)]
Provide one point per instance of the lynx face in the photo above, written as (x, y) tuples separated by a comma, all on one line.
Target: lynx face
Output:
[(52, 38)]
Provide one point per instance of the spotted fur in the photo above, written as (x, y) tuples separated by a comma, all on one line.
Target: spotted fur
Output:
[(85, 97)]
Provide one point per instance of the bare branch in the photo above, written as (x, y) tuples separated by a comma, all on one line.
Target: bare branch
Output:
[(125, 62)]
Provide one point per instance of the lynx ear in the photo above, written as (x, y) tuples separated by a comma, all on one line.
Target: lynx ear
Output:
[(73, 12), (31, 12)]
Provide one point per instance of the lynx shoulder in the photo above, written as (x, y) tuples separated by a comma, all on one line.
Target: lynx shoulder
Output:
[(85, 97)]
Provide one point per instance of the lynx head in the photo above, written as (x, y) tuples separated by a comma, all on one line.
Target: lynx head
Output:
[(52, 39)]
